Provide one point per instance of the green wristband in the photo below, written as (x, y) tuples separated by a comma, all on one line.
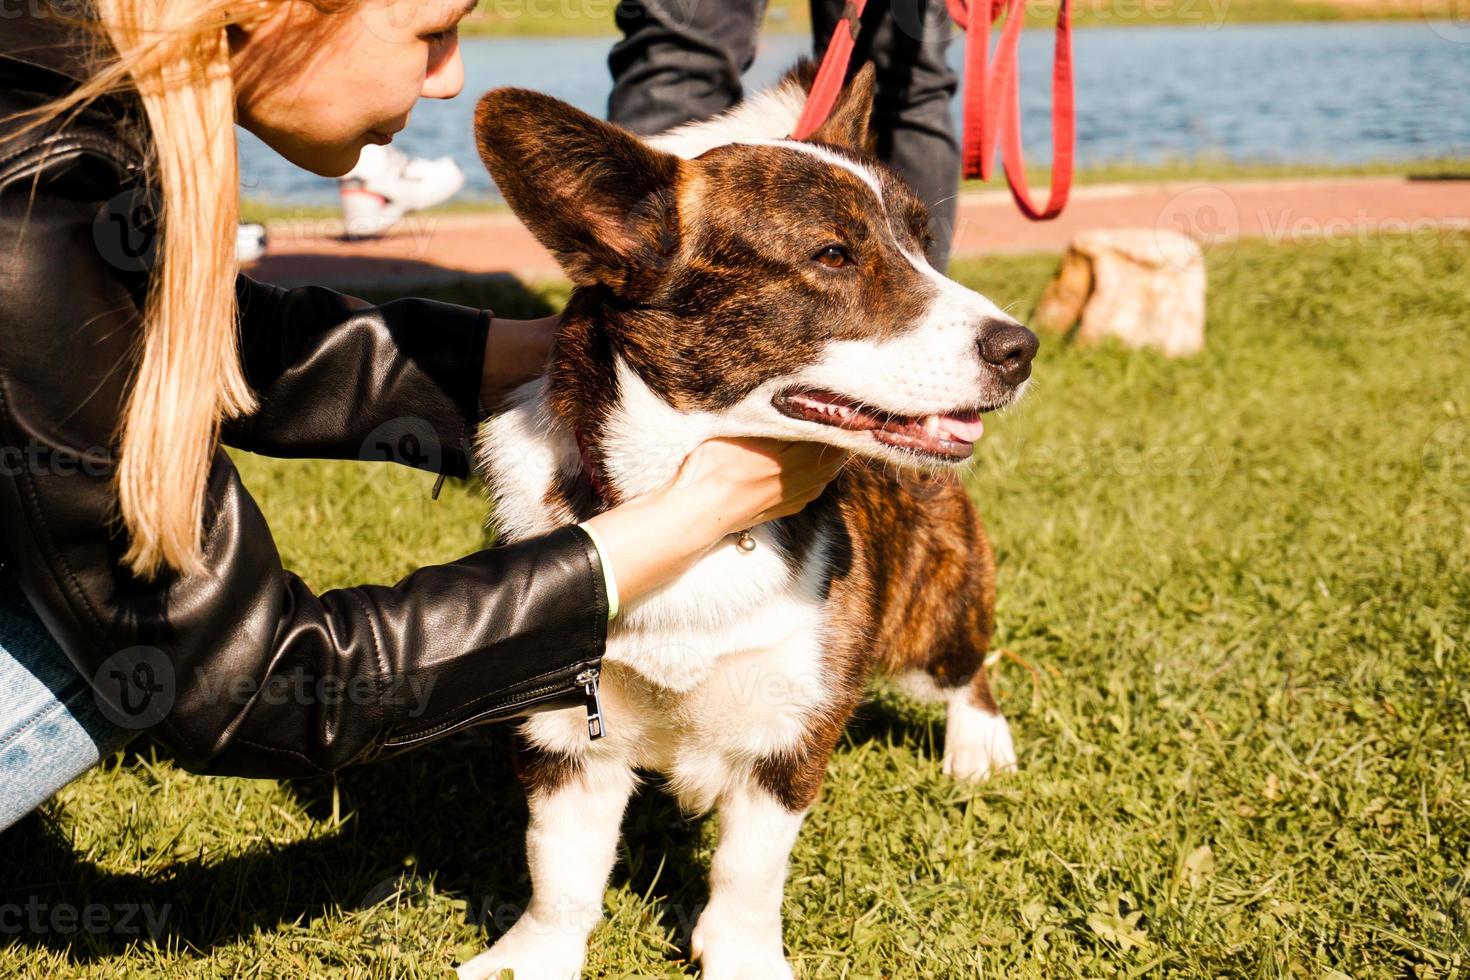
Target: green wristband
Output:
[(609, 581)]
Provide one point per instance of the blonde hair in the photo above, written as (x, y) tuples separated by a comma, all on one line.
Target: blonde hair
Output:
[(176, 55)]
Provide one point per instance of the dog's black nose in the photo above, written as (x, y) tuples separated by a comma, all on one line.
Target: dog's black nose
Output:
[(1009, 347)]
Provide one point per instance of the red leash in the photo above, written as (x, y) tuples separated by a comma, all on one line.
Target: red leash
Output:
[(992, 105)]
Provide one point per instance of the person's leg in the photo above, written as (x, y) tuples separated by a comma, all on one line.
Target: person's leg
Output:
[(907, 40), (51, 730), (680, 60)]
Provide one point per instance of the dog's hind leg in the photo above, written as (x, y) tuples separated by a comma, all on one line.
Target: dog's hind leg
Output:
[(571, 845), (738, 936), (977, 738)]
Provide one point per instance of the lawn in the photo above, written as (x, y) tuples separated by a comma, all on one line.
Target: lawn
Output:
[(1237, 592), (1211, 168), (572, 18)]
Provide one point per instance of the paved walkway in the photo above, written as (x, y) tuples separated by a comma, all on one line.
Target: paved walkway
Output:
[(435, 247)]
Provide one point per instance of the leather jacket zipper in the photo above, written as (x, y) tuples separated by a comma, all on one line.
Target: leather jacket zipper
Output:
[(588, 679)]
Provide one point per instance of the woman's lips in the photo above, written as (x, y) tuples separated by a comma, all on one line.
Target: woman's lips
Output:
[(382, 139)]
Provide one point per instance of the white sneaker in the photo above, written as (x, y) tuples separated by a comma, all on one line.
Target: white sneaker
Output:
[(249, 243), (386, 184)]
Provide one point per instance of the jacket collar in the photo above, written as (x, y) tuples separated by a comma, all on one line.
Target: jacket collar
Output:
[(56, 46), (45, 56)]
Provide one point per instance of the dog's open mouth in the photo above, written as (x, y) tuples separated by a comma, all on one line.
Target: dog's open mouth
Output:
[(949, 436)]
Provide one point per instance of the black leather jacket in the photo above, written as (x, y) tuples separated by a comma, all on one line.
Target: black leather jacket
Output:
[(244, 670)]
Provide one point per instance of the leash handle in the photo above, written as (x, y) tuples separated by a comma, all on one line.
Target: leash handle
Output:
[(992, 100), (992, 105)]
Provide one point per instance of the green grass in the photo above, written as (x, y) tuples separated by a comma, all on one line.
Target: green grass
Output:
[(1205, 167), (1214, 167), (269, 209), (1241, 583), (561, 18)]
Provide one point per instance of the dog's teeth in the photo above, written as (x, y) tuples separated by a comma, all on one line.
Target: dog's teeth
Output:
[(931, 424)]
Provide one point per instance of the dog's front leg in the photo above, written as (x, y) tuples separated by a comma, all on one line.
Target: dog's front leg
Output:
[(738, 936), (571, 845)]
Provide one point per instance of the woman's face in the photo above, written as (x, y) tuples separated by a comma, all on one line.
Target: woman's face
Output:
[(318, 87)]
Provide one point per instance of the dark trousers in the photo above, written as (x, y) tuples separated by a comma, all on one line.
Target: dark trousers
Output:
[(681, 60)]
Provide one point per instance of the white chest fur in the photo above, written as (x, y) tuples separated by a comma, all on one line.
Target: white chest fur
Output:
[(720, 666)]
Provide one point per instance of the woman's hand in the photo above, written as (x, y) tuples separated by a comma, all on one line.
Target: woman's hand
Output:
[(734, 484), (516, 351), (724, 486)]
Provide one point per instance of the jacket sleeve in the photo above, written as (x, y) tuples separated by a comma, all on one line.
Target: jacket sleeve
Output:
[(242, 669), (338, 378)]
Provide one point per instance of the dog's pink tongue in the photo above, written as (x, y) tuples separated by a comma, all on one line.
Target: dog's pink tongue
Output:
[(961, 429)]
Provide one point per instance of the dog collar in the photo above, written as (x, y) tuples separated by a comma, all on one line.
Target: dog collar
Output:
[(589, 466)]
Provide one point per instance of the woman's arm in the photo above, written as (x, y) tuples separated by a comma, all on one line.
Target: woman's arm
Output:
[(725, 486), (242, 669), (517, 351), (404, 382), (339, 378)]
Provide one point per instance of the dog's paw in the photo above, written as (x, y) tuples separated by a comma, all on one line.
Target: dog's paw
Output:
[(977, 744), (531, 954), (732, 954), (744, 965)]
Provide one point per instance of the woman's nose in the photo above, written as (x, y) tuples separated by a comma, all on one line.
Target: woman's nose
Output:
[(445, 78)]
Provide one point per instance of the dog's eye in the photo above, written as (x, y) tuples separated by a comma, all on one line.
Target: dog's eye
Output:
[(834, 257)]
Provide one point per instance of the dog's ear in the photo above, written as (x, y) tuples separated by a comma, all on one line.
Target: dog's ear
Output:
[(847, 126), (600, 199)]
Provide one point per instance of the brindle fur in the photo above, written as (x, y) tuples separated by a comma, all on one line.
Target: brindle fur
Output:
[(698, 275), (912, 574), (697, 292)]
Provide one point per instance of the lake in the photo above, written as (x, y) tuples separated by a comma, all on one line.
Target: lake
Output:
[(1282, 93)]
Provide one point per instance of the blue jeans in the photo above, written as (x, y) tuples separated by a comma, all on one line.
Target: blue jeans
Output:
[(51, 730)]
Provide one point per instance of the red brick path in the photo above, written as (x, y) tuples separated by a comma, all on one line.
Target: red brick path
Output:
[(430, 247)]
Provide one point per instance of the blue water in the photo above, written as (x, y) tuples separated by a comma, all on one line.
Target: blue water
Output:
[(1316, 93)]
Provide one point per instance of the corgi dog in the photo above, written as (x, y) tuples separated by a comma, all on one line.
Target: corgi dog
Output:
[(733, 282)]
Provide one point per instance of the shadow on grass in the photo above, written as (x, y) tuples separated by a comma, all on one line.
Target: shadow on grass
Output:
[(380, 280), (451, 813)]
